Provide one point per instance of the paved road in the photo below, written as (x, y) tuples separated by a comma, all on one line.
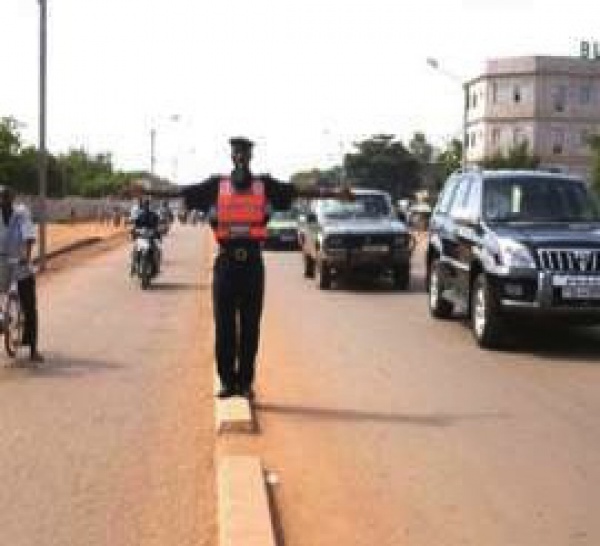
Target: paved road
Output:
[(111, 441), (387, 428)]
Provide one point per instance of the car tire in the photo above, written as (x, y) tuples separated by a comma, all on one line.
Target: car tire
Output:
[(401, 277), (323, 276), (487, 325), (438, 307), (309, 267)]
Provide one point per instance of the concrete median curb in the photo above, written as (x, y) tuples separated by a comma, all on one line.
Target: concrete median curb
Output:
[(244, 516), (232, 414)]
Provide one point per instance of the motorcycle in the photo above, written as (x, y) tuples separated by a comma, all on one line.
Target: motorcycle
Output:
[(146, 256)]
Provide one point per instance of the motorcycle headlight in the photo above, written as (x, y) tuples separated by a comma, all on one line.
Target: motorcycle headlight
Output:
[(514, 254)]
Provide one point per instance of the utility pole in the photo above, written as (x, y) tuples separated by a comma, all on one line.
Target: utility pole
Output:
[(42, 152), (433, 63), (152, 150)]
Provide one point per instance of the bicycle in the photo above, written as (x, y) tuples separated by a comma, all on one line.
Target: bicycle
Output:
[(12, 319)]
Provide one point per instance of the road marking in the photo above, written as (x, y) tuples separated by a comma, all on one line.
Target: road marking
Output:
[(244, 515)]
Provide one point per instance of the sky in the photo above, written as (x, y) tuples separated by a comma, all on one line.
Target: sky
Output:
[(304, 79)]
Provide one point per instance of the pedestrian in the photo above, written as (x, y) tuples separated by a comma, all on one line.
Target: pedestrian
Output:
[(17, 237), (238, 207)]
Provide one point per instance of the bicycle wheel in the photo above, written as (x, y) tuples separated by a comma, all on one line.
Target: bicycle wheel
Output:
[(13, 325)]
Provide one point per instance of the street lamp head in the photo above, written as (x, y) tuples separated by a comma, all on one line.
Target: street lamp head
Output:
[(433, 63)]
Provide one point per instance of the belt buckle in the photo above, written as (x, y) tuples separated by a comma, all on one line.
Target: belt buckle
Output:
[(240, 254)]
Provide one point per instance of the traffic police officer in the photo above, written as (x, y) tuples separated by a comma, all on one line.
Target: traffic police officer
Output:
[(238, 207)]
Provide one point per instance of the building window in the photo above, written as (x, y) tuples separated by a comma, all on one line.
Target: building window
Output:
[(585, 94), (474, 100), (519, 136), (584, 138), (473, 139), (495, 92), (558, 141), (517, 94), (559, 98), (495, 136)]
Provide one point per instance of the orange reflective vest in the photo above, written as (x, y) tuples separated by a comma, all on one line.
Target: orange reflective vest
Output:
[(241, 215)]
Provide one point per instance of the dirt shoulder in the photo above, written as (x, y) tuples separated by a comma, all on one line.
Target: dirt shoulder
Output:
[(99, 237)]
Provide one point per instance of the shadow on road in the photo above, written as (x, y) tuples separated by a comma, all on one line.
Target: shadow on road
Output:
[(433, 420), (55, 366), (177, 286), (369, 286), (557, 343)]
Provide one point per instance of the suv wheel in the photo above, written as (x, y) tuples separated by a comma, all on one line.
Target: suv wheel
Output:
[(323, 276), (401, 277), (487, 324), (438, 306), (309, 267)]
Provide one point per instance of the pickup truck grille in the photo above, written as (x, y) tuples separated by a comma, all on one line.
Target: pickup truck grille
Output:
[(569, 260), (357, 241)]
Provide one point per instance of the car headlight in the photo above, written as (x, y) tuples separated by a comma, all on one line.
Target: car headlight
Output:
[(511, 253)]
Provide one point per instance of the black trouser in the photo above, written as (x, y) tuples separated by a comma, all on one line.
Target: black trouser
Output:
[(238, 288), (27, 296)]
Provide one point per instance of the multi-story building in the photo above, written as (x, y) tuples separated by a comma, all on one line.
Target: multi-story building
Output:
[(552, 103)]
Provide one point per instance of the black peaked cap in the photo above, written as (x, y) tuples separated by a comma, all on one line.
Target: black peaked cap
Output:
[(240, 144)]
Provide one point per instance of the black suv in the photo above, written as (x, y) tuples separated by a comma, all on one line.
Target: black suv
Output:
[(504, 244)]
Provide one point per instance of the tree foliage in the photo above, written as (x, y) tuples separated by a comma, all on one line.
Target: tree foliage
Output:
[(382, 162), (76, 173), (450, 158), (516, 157)]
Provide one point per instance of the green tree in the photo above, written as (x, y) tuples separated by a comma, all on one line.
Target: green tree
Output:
[(516, 157), (420, 148), (450, 158), (382, 162)]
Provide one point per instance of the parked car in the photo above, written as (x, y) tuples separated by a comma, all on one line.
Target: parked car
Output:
[(340, 238), (282, 230), (504, 244)]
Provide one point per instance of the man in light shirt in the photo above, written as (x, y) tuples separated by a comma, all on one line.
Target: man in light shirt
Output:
[(17, 237)]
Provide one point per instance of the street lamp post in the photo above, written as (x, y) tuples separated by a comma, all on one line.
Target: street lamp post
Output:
[(42, 152), (433, 63)]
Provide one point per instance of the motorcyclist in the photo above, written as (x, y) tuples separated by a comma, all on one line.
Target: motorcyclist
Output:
[(147, 220)]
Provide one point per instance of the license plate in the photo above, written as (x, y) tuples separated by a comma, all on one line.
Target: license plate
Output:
[(576, 280), (580, 292), (375, 248)]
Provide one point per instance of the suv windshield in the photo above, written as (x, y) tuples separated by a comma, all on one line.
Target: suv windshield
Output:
[(370, 205), (537, 199)]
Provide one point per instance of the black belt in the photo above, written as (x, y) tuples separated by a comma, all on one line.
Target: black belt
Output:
[(240, 254)]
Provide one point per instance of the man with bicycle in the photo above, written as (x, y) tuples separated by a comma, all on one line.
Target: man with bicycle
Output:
[(17, 237)]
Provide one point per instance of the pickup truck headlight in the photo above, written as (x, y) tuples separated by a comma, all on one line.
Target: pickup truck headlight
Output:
[(511, 253)]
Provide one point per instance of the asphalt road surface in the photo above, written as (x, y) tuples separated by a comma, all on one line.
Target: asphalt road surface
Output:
[(380, 426), (111, 441), (383, 427)]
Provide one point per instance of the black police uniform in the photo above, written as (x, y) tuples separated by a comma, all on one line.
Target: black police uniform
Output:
[(238, 283)]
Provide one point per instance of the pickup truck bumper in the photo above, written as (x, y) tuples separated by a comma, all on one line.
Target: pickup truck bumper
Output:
[(347, 260)]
